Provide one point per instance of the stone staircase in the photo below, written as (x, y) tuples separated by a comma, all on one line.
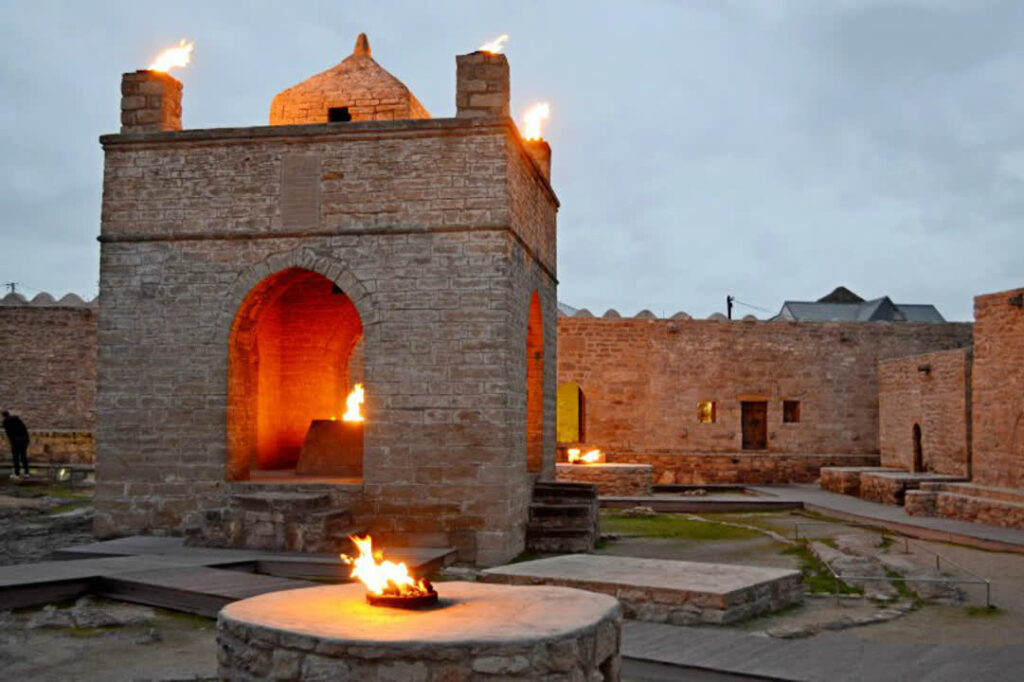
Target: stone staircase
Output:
[(276, 521), (968, 502), (563, 518)]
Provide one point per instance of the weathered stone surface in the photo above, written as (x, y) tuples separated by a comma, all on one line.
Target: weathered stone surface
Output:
[(611, 479), (843, 480), (478, 631), (679, 592)]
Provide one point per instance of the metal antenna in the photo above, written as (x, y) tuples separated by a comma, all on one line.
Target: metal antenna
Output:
[(13, 286)]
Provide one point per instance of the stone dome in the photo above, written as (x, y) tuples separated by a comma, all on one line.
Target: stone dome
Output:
[(357, 89)]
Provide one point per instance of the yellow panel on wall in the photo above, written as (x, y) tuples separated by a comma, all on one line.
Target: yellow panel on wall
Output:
[(568, 413)]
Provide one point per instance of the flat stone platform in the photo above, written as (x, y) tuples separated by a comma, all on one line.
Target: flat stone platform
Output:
[(656, 590), (162, 571), (476, 630)]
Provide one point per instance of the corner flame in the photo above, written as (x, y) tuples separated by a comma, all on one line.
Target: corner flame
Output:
[(591, 457), (173, 57), (496, 45), (353, 405), (533, 118), (380, 576)]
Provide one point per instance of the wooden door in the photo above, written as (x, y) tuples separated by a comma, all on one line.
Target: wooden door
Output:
[(755, 425)]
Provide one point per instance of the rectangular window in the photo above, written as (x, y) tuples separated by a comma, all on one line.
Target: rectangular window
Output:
[(790, 411), (707, 412), (338, 115)]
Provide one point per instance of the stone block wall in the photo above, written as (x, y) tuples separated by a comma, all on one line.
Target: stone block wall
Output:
[(49, 374), (419, 223), (643, 379), (998, 390), (627, 480), (931, 391)]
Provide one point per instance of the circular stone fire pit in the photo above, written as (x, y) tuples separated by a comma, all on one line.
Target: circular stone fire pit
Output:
[(476, 631)]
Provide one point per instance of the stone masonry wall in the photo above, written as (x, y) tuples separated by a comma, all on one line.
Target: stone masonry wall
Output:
[(49, 375), (414, 222), (643, 379), (932, 391), (998, 390)]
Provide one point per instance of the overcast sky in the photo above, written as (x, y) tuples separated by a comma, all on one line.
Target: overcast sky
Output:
[(766, 149)]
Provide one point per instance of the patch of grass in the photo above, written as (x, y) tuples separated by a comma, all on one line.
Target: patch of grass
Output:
[(896, 578), (673, 526), (886, 542), (983, 611), (603, 543), (817, 576)]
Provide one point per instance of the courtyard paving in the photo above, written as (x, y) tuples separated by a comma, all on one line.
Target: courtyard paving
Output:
[(926, 636)]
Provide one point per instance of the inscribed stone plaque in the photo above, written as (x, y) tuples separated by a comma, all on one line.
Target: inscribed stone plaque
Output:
[(300, 191)]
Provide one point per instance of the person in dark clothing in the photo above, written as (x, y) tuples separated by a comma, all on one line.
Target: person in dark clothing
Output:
[(17, 434)]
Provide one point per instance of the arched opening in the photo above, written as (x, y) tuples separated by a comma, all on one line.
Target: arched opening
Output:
[(294, 355), (918, 452), (535, 387), (571, 415)]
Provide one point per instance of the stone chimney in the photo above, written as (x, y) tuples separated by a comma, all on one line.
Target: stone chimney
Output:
[(150, 102), (541, 153), (481, 85)]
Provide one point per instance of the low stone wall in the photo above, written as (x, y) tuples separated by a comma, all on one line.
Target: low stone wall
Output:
[(920, 503), (843, 480), (55, 447), (621, 480), (742, 468), (891, 487)]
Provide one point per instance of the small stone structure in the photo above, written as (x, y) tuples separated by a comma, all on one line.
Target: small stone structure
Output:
[(844, 480), (677, 592), (891, 487), (623, 480), (477, 632)]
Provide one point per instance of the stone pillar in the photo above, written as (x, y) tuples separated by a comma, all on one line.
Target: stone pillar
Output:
[(481, 85), (150, 102), (541, 153)]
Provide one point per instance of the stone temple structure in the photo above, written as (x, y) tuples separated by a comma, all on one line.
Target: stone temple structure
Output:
[(251, 276)]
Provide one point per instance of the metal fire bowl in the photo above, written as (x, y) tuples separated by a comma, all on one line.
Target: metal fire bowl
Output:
[(421, 601)]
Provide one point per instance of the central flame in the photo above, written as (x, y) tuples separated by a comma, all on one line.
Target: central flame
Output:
[(533, 118), (591, 457), (496, 45), (173, 57), (382, 577), (354, 404)]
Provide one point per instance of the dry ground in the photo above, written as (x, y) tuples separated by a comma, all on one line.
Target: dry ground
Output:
[(160, 645)]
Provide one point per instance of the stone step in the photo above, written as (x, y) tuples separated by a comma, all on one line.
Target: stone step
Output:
[(560, 539), (335, 521), (561, 515), (287, 502), (564, 493)]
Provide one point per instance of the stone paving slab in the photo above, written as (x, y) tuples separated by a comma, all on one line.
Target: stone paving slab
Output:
[(927, 528), (660, 590), (837, 657)]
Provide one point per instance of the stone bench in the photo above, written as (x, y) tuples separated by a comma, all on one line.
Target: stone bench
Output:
[(844, 480)]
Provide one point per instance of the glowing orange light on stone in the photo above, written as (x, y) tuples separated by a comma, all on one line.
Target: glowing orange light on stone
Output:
[(173, 57), (533, 120), (380, 576), (591, 457), (496, 45), (354, 404)]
